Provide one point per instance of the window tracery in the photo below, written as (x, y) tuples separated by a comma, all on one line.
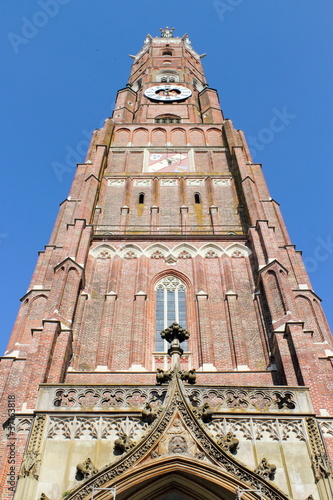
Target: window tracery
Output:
[(170, 307), (167, 77)]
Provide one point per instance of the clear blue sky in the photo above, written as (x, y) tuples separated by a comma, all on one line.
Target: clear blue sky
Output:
[(64, 60)]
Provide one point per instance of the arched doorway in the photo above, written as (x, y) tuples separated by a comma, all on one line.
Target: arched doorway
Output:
[(177, 478)]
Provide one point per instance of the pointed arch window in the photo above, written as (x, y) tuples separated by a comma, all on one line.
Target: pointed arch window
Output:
[(170, 307)]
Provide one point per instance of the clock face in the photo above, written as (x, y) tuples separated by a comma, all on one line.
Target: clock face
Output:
[(168, 162), (168, 93)]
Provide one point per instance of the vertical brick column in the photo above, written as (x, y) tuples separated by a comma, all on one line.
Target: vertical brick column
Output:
[(40, 362), (139, 340), (284, 361), (184, 219), (103, 353), (236, 332), (206, 345), (213, 211), (153, 219), (61, 356), (124, 211)]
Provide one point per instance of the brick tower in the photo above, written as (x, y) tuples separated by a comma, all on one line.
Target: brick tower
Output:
[(169, 227)]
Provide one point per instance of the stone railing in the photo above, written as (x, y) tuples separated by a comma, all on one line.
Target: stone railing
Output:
[(98, 398), (278, 399), (252, 399)]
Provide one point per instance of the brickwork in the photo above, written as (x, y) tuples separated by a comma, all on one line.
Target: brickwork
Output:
[(157, 199)]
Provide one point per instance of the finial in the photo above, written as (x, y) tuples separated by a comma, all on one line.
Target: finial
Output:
[(175, 334), (167, 32)]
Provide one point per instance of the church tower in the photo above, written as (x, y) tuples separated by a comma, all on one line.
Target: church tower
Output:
[(170, 345)]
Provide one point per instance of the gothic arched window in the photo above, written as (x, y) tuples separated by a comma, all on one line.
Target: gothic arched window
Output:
[(170, 307)]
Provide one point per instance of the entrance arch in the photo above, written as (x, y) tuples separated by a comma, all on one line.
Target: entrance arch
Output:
[(177, 477)]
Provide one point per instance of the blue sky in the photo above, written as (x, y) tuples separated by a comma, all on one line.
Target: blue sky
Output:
[(64, 60)]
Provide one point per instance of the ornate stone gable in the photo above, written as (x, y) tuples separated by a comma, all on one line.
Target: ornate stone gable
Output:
[(177, 432)]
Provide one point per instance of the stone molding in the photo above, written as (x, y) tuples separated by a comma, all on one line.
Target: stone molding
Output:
[(183, 250)]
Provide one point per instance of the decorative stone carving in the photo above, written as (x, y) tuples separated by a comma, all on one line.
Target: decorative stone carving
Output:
[(320, 461), (85, 470), (175, 332), (265, 427), (163, 376), (31, 464), (61, 428), (177, 439), (236, 399), (177, 444), (123, 443), (260, 400), (114, 427), (104, 254), (149, 414), (177, 404), (229, 442), (44, 497), (292, 429), (184, 254), (88, 399), (167, 32), (23, 425), (188, 376), (86, 428), (211, 254), (326, 427), (175, 335), (171, 283), (157, 255), (205, 412), (237, 253), (130, 255), (266, 470), (170, 259), (32, 457), (108, 397), (285, 401), (65, 398)]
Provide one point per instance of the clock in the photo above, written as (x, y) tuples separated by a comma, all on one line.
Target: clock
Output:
[(168, 162), (168, 93)]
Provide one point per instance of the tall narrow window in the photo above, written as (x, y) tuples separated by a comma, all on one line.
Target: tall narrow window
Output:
[(197, 198), (170, 307), (141, 198)]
